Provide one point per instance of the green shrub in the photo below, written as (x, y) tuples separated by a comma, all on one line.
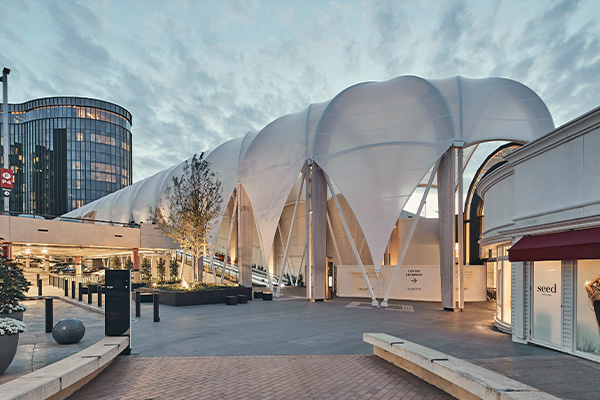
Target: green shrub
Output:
[(146, 270), (160, 269), (174, 269)]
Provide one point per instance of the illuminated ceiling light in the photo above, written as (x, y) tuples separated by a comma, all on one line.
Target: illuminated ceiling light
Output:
[(44, 251), (27, 251)]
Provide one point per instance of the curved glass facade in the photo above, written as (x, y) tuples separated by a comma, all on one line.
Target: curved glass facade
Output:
[(66, 152)]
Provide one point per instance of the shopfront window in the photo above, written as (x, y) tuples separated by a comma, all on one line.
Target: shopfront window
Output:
[(547, 292), (588, 306)]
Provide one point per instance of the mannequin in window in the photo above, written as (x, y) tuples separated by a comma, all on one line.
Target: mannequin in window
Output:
[(593, 289)]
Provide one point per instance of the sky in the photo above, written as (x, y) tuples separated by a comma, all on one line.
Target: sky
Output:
[(197, 73)]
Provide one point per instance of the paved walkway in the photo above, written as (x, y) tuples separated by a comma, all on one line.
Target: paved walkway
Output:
[(257, 377), (291, 348)]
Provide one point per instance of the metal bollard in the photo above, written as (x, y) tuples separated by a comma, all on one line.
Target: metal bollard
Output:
[(138, 299), (90, 293), (39, 287), (72, 289), (99, 295), (66, 284), (38, 278), (49, 315), (80, 292), (155, 300)]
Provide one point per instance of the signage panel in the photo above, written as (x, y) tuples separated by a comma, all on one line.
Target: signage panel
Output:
[(419, 282)]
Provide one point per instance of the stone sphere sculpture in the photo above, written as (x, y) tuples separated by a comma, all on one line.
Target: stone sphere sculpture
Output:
[(68, 331)]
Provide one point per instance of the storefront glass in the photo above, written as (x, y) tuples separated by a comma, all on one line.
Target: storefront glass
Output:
[(547, 292), (506, 291), (588, 310)]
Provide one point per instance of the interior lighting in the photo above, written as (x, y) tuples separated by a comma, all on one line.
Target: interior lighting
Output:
[(45, 251)]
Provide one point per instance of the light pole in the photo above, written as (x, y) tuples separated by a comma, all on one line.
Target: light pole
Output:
[(6, 140)]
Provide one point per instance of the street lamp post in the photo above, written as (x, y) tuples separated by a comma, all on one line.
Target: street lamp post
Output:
[(6, 140)]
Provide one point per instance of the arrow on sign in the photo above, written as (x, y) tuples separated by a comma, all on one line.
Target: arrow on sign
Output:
[(414, 280)]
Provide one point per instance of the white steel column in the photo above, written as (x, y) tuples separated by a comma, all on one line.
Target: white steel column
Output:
[(374, 301), (413, 226), (307, 272), (461, 280)]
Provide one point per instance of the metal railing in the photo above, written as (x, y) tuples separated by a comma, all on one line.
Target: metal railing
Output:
[(58, 280)]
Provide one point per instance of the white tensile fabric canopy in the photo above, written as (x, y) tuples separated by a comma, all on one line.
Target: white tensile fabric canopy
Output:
[(375, 141)]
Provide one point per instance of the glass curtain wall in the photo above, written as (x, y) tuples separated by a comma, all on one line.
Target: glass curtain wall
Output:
[(66, 152)]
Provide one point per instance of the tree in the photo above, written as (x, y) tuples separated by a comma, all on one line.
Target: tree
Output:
[(146, 270), (160, 269), (116, 263), (129, 264), (192, 202), (174, 269)]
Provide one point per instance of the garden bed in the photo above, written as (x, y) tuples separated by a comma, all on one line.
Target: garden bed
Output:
[(197, 297)]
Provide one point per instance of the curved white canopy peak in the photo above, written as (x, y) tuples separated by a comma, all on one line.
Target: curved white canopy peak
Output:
[(224, 163), (495, 109), (376, 141), (269, 169)]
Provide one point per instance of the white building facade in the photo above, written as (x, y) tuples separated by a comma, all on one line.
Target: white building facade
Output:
[(542, 236)]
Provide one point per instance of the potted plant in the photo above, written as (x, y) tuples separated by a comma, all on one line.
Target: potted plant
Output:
[(9, 340), (13, 287)]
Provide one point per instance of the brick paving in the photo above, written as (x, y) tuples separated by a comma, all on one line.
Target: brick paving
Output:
[(257, 377)]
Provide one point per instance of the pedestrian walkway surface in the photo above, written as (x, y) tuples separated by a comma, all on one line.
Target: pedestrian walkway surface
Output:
[(257, 377), (291, 348)]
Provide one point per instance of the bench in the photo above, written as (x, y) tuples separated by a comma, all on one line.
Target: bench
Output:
[(456, 377), (231, 300), (267, 296), (242, 299)]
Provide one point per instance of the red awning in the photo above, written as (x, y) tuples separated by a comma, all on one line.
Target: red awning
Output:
[(571, 245)]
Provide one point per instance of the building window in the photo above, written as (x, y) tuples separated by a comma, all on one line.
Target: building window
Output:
[(588, 307), (547, 300)]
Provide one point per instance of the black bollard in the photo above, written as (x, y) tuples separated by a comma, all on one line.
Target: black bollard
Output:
[(90, 293), (73, 289), (49, 315), (155, 299), (99, 295), (80, 292), (138, 299), (66, 284), (39, 287), (38, 278)]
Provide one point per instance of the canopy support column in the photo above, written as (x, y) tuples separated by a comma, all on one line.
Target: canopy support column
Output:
[(319, 233), (461, 278), (307, 272), (413, 226), (374, 301), (245, 233)]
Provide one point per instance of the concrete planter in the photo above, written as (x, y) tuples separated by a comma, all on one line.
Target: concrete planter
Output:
[(8, 349), (201, 296), (16, 315)]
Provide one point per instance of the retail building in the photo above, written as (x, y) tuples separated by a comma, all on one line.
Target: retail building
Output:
[(542, 237)]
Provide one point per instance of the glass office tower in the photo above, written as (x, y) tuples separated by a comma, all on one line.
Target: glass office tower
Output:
[(66, 152)]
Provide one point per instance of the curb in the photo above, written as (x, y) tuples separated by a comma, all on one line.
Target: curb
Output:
[(64, 377), (456, 377)]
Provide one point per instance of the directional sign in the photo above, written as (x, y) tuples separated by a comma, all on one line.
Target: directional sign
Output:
[(414, 280), (6, 178), (6, 192)]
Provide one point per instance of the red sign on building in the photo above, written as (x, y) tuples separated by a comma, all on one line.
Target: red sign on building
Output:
[(6, 178)]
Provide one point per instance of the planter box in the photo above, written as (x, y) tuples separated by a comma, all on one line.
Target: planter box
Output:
[(200, 297)]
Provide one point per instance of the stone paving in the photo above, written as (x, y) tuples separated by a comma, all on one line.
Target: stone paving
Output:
[(285, 344), (257, 377)]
